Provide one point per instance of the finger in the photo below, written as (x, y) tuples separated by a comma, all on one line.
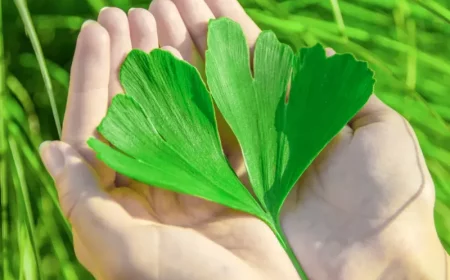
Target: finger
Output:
[(196, 15), (143, 32), (374, 111), (115, 21), (233, 10), (96, 218), (88, 94), (173, 32)]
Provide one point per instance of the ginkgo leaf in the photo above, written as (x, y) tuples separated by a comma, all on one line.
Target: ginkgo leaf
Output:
[(249, 103), (165, 128), (326, 93), (279, 137)]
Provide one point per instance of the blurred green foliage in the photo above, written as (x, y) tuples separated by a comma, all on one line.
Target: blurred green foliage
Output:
[(405, 42)]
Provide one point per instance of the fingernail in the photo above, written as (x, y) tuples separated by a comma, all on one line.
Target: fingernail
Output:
[(130, 10), (52, 157), (87, 22)]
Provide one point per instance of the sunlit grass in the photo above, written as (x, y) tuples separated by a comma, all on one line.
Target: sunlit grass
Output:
[(36, 239), (405, 42), (29, 28)]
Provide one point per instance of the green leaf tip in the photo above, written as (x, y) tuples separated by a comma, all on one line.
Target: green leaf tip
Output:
[(283, 107)]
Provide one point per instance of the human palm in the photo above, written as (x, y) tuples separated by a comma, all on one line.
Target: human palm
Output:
[(365, 203), (206, 240), (234, 245), (351, 206)]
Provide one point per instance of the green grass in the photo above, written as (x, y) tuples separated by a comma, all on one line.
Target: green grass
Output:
[(405, 42)]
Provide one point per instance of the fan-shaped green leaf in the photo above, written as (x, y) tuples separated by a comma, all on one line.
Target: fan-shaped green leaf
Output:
[(165, 128)]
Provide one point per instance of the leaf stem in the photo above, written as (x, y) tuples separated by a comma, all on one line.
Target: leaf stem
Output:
[(275, 225)]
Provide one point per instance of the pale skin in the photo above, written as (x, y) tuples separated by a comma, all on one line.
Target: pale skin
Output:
[(363, 210)]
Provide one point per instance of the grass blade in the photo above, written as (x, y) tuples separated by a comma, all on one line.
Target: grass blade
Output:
[(16, 87), (436, 8), (23, 196), (338, 18), (52, 228), (32, 158), (4, 216), (26, 18), (4, 203), (411, 62)]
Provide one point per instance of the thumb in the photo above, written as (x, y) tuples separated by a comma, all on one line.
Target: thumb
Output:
[(91, 211)]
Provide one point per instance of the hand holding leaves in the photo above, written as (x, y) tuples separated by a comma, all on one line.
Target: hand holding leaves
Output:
[(165, 133)]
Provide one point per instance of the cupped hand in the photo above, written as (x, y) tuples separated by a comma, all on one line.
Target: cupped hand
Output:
[(363, 210), (126, 230)]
